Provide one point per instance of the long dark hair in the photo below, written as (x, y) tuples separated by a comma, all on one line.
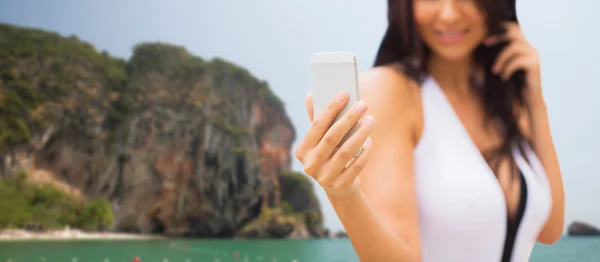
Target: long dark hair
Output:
[(401, 45)]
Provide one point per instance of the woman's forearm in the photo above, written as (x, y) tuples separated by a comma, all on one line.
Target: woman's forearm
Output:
[(544, 148), (372, 240)]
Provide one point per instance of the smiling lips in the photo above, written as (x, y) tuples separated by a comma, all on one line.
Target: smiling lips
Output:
[(451, 36)]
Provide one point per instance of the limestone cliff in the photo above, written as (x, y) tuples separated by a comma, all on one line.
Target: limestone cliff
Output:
[(179, 145)]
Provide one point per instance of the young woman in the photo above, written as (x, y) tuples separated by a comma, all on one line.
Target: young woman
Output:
[(461, 165)]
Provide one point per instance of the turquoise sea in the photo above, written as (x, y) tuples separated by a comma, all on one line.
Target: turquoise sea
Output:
[(581, 249)]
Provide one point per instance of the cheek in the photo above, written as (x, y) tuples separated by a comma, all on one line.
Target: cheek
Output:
[(477, 21), (423, 14)]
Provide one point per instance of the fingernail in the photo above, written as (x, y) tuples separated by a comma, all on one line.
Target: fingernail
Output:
[(361, 107), (369, 121), (341, 97), (368, 143)]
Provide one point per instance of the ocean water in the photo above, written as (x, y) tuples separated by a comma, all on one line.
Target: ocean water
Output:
[(583, 249)]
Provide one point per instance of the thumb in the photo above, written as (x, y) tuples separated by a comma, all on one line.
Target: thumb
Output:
[(309, 107)]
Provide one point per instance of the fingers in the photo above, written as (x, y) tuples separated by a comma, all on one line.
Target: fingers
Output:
[(320, 125), (338, 162), (350, 174), (519, 63), (518, 55), (309, 107), (509, 53), (337, 132)]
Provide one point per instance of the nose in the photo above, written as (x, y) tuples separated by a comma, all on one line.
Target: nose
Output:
[(449, 11)]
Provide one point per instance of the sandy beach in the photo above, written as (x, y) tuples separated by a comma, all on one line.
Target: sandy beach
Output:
[(69, 234)]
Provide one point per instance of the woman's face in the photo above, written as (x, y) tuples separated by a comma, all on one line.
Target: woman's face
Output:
[(452, 29)]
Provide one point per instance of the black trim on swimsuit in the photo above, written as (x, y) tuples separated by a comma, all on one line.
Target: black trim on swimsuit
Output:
[(511, 230)]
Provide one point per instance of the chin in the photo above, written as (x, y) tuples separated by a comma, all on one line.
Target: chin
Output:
[(452, 46), (453, 54)]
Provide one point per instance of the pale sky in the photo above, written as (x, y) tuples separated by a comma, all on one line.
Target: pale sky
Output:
[(274, 39)]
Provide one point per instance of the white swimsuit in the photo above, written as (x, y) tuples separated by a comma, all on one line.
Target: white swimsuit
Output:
[(462, 209)]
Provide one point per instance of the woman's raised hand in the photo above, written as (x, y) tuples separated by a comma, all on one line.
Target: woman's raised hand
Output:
[(331, 164)]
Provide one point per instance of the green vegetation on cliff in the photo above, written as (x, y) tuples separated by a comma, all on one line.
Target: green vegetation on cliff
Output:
[(32, 97), (300, 200), (43, 206), (110, 127), (299, 191), (38, 72), (221, 68)]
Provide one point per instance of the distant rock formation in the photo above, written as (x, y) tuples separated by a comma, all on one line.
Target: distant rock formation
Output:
[(341, 234), (179, 145), (578, 228)]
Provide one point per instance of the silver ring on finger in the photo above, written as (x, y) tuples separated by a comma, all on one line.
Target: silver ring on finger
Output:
[(358, 153)]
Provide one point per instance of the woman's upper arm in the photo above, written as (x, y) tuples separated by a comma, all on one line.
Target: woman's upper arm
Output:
[(388, 179), (543, 146)]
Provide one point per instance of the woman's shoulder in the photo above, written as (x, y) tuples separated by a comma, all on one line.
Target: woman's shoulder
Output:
[(387, 78), (393, 97), (389, 84)]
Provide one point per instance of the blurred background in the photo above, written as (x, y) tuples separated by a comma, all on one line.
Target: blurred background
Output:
[(165, 130)]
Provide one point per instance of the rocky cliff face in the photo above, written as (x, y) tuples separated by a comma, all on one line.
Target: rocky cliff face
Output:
[(179, 145)]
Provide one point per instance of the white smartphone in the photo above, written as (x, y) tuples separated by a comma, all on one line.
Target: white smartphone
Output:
[(332, 73)]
